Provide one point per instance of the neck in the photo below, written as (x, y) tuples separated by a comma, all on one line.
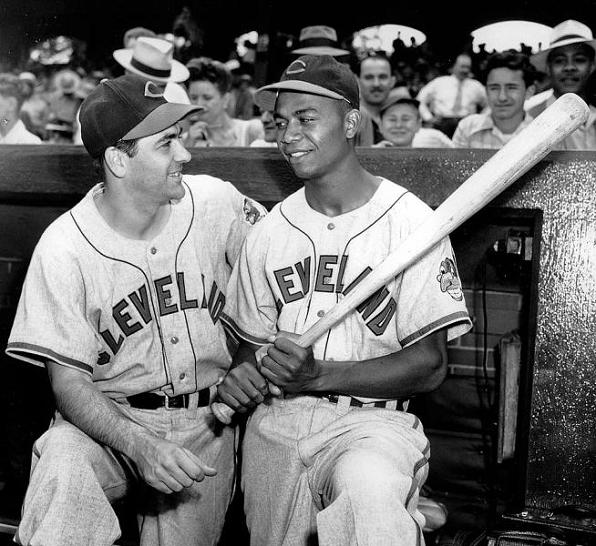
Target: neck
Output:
[(509, 125), (133, 220), (5, 128), (346, 189), (373, 109)]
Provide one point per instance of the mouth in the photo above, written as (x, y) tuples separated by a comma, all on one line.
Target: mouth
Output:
[(296, 156), (175, 175)]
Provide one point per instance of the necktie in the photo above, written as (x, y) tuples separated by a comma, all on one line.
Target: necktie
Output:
[(458, 97)]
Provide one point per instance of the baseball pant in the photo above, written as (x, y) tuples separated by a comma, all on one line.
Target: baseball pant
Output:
[(349, 476), (74, 480)]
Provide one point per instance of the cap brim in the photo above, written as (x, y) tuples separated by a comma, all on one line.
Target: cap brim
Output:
[(179, 72), (539, 59), (321, 50), (265, 97), (161, 118)]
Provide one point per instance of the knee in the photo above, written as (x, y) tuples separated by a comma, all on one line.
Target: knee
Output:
[(369, 476)]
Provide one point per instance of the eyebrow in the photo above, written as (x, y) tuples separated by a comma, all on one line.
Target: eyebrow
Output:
[(173, 132)]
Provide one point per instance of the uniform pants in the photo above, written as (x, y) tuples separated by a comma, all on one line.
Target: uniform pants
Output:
[(74, 480), (347, 476)]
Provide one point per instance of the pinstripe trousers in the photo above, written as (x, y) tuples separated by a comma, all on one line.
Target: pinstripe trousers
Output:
[(314, 470)]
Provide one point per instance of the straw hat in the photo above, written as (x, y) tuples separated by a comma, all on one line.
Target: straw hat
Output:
[(319, 40)]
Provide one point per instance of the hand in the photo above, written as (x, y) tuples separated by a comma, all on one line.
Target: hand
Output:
[(243, 387), (168, 467), (197, 134), (289, 366)]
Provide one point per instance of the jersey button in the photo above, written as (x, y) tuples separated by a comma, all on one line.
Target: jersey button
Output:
[(330, 225), (320, 313), (182, 376), (174, 340), (153, 250)]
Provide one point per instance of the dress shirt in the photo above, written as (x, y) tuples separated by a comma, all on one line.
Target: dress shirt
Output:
[(480, 131), (19, 135), (438, 97)]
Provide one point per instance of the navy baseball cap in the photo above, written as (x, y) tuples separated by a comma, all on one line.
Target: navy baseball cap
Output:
[(315, 74), (125, 108)]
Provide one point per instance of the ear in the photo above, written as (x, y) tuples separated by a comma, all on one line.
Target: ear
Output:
[(530, 90), (115, 161), (226, 100), (392, 80), (352, 122)]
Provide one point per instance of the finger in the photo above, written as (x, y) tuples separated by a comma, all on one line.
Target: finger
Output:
[(197, 464), (245, 394), (288, 346), (274, 366)]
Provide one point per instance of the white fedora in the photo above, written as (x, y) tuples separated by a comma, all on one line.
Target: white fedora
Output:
[(152, 58), (565, 33), (319, 40)]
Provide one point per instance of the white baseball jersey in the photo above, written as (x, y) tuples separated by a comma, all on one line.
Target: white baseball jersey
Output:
[(298, 263), (136, 315)]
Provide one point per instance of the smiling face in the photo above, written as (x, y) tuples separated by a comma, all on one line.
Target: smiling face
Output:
[(206, 94), (506, 92), (399, 124), (569, 68), (311, 133), (376, 80), (155, 170)]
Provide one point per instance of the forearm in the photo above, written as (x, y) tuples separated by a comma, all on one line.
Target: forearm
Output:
[(85, 406)]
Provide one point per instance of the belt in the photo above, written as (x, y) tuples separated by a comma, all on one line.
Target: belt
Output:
[(398, 405), (151, 400)]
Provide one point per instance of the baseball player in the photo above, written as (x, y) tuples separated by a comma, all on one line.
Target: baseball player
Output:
[(121, 303), (337, 458)]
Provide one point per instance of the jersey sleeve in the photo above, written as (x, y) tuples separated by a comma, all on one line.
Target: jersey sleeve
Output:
[(50, 322), (250, 311), (247, 212)]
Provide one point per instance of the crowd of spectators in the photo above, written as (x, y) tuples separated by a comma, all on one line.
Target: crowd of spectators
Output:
[(401, 91)]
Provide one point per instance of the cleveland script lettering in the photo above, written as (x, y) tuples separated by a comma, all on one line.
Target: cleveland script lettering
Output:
[(293, 282), (137, 309)]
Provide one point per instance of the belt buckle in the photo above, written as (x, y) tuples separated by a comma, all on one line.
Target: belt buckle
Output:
[(174, 402)]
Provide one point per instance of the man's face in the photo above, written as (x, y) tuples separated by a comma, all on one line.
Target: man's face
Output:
[(400, 123), (462, 67), (269, 127), (155, 171), (311, 133), (506, 93), (376, 80), (569, 68)]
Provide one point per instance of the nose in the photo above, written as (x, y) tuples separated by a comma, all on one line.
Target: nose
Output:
[(291, 133), (181, 154), (502, 94)]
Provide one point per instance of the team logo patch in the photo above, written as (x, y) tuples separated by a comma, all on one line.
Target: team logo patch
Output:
[(251, 213), (296, 67), (449, 279)]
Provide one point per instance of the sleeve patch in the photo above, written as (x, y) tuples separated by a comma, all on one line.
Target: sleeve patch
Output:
[(448, 279)]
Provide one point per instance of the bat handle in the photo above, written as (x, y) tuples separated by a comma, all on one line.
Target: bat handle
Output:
[(224, 413)]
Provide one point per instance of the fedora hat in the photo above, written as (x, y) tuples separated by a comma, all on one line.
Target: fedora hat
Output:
[(319, 40), (152, 58), (565, 33)]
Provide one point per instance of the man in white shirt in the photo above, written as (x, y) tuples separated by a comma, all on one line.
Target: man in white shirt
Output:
[(569, 62), (12, 129), (445, 100), (509, 82)]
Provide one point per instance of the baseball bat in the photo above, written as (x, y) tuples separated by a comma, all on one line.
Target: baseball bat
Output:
[(521, 153)]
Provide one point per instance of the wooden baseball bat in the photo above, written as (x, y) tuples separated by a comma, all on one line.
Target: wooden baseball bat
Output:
[(521, 153)]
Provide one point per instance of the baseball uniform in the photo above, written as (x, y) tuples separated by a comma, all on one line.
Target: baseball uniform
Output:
[(137, 316), (350, 474)]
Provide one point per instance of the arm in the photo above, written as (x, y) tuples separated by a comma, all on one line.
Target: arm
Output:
[(425, 99), (162, 464), (420, 367), (243, 387)]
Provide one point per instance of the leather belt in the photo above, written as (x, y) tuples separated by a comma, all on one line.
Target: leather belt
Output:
[(398, 405), (151, 400)]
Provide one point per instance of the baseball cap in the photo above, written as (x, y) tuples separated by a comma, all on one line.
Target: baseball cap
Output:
[(315, 74), (392, 101), (125, 108)]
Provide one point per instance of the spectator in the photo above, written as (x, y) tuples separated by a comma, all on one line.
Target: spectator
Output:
[(569, 62), (63, 101), (375, 80), (12, 128), (209, 86), (445, 100), (244, 104), (509, 82), (153, 59), (319, 40), (269, 139), (401, 126)]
